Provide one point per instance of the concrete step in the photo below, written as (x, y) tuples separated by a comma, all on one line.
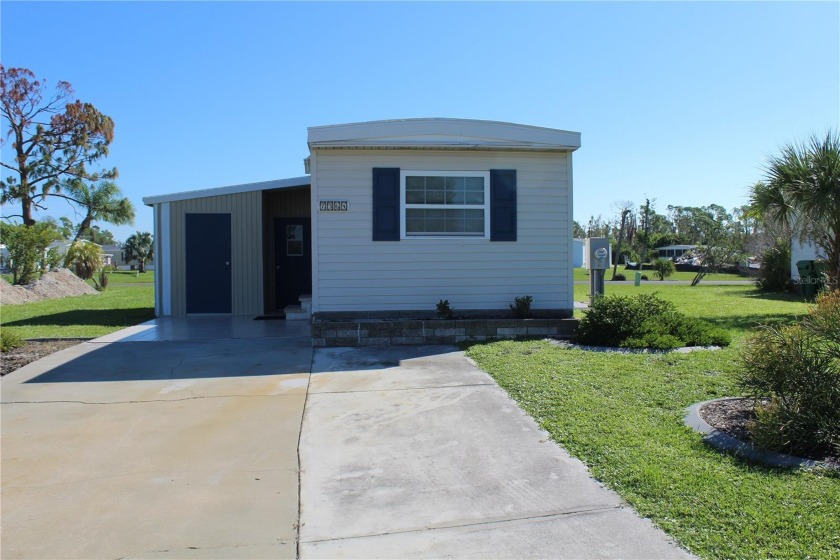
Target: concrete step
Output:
[(296, 313), (306, 303)]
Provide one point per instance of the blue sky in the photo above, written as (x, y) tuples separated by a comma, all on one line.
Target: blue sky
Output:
[(681, 102)]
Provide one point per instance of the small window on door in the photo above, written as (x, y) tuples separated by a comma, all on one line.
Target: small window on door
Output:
[(294, 240)]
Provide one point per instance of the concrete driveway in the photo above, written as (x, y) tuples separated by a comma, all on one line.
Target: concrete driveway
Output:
[(414, 452), (171, 440), (180, 439)]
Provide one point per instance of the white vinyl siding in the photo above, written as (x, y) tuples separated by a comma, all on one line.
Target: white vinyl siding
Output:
[(355, 273)]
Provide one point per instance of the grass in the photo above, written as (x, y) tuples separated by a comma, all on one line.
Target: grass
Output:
[(737, 308), (131, 277), (622, 415), (117, 277), (81, 316), (582, 274)]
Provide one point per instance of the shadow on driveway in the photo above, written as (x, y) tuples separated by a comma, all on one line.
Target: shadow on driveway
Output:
[(139, 361)]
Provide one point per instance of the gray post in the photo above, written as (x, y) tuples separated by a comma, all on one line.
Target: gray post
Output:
[(598, 260)]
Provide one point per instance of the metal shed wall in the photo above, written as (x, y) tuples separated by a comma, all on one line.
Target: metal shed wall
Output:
[(246, 248)]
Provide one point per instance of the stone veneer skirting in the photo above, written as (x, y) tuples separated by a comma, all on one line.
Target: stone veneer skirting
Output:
[(368, 331)]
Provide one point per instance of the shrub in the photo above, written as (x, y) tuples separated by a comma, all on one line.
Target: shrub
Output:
[(521, 307), (774, 275), (27, 246), (645, 277), (655, 341), (793, 372), (645, 321), (86, 257), (824, 319), (619, 277), (9, 341), (444, 311), (697, 332), (663, 268)]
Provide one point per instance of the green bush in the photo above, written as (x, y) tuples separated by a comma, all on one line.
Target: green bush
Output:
[(443, 309), (619, 277), (27, 246), (793, 372), (644, 321), (521, 307), (824, 319), (774, 275), (9, 341), (663, 268)]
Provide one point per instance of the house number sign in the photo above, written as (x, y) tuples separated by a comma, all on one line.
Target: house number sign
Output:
[(333, 206)]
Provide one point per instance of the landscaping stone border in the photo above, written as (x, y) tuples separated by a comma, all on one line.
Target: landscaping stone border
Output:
[(413, 332), (724, 442), (681, 350)]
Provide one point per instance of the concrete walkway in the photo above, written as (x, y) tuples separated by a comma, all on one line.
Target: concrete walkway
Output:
[(180, 439)]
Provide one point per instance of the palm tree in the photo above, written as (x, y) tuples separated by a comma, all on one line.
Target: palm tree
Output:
[(102, 201), (140, 247), (87, 257), (801, 191)]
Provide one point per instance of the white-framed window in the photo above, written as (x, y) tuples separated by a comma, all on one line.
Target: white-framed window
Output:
[(445, 204)]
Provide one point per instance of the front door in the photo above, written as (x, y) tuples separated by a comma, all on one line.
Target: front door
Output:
[(208, 283), (292, 259)]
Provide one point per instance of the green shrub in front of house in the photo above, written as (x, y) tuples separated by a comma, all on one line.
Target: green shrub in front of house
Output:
[(9, 341), (793, 372), (644, 321)]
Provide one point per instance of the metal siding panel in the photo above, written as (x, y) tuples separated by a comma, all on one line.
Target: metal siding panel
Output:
[(246, 248)]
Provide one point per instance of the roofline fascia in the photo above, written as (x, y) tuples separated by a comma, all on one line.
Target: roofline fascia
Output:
[(289, 183)]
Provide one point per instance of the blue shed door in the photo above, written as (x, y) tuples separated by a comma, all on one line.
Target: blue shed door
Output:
[(208, 283)]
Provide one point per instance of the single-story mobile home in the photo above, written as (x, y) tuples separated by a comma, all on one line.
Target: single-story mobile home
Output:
[(674, 251), (392, 216)]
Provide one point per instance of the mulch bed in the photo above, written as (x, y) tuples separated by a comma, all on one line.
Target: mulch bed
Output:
[(733, 416), (31, 351)]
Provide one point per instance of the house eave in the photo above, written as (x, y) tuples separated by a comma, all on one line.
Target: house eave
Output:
[(467, 146), (289, 183), (442, 134)]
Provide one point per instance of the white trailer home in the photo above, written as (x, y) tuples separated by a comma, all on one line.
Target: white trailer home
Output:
[(393, 217)]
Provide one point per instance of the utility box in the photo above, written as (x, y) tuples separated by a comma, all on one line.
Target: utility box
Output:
[(598, 253)]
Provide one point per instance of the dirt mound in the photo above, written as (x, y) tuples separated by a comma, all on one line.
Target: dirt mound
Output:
[(56, 283)]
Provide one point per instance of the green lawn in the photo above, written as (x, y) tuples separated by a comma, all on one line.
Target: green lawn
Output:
[(131, 277), (81, 316), (737, 308), (622, 415), (582, 274)]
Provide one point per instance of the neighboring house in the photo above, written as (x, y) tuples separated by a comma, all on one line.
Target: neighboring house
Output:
[(114, 255), (674, 251), (578, 256), (4, 258), (394, 216), (802, 252)]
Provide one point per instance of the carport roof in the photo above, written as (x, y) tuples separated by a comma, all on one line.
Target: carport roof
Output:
[(292, 182)]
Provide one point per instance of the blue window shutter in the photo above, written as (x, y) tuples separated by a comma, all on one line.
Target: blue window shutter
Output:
[(502, 205), (386, 204)]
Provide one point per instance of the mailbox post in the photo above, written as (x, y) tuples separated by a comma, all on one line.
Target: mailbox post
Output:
[(598, 260)]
